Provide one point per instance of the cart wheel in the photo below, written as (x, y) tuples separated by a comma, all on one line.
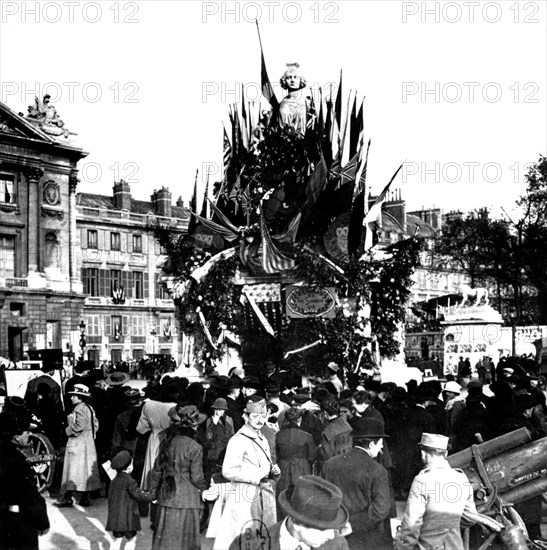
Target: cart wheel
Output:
[(41, 457)]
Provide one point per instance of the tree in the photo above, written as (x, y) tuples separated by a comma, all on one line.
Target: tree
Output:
[(533, 233)]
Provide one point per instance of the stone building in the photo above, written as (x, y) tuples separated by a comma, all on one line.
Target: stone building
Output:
[(41, 300), (127, 311)]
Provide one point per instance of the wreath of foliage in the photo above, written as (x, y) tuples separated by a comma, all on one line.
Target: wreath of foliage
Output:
[(384, 285)]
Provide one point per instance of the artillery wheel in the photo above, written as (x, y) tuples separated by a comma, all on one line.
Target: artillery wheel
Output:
[(41, 456)]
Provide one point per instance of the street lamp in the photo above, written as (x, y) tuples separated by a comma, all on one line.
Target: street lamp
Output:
[(513, 315), (82, 338), (153, 333)]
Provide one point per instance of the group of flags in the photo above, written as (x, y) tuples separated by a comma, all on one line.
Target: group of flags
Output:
[(335, 182)]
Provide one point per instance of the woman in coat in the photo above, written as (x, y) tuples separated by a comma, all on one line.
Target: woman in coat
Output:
[(177, 479), (296, 452), (248, 465), (80, 468)]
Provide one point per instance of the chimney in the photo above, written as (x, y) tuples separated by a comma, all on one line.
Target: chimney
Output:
[(161, 202), (180, 202), (121, 193)]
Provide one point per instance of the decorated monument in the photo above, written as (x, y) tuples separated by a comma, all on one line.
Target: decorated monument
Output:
[(280, 266)]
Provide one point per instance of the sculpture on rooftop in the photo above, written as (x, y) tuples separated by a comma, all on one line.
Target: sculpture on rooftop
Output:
[(45, 114)]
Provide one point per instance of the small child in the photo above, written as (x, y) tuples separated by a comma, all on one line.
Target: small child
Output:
[(123, 495)]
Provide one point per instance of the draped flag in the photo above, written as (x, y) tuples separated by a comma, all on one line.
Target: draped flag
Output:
[(226, 152), (267, 88), (355, 226), (224, 232), (273, 261), (258, 313), (375, 212), (206, 330)]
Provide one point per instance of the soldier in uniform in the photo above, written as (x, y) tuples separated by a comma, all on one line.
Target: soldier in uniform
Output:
[(439, 497)]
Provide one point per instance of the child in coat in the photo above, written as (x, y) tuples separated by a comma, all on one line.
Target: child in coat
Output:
[(123, 495)]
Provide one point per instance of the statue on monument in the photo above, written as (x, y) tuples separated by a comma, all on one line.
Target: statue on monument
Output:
[(46, 115), (477, 296), (295, 109)]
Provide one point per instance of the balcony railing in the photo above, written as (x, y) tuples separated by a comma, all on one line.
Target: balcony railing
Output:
[(17, 282)]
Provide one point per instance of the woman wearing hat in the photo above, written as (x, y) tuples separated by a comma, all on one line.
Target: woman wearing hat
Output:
[(219, 428), (248, 465), (80, 467), (177, 479)]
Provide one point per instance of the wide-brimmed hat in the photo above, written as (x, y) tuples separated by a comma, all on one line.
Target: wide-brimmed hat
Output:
[(369, 428), (373, 385), (220, 404), (187, 416), (315, 502), (434, 441), (14, 424), (80, 389), (251, 382), (220, 382), (132, 395), (117, 378), (452, 387)]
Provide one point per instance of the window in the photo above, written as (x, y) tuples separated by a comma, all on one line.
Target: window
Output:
[(117, 327), (115, 279), (92, 239), (93, 325), (138, 325), (115, 243), (7, 256), (7, 188), (137, 243), (161, 290), (138, 290), (91, 281)]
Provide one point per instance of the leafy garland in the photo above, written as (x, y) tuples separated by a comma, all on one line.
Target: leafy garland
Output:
[(385, 284)]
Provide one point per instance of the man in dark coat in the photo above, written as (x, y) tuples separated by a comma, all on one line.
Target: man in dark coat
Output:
[(336, 437), (365, 486), (316, 518), (48, 370), (23, 512)]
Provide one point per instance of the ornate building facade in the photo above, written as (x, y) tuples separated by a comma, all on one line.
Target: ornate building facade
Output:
[(128, 313), (41, 300)]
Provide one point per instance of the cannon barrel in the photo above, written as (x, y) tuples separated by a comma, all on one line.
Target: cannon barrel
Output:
[(513, 467), (492, 447), (526, 491)]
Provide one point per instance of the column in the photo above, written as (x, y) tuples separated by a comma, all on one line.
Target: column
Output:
[(33, 176), (72, 184)]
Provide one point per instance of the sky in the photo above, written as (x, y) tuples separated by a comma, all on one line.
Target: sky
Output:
[(454, 90)]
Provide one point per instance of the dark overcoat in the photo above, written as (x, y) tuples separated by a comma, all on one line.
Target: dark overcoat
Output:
[(19, 529), (123, 511), (367, 496)]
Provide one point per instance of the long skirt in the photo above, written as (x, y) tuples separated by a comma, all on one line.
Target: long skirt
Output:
[(177, 528)]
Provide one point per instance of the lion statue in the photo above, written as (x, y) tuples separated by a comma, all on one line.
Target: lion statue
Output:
[(475, 296)]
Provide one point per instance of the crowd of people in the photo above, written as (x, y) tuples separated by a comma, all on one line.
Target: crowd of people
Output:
[(235, 456)]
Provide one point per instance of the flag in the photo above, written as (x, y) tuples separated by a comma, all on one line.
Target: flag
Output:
[(375, 212), (355, 226), (326, 144), (267, 88), (317, 182), (206, 329), (320, 117), (258, 313), (226, 152), (224, 232), (204, 207), (356, 127), (338, 104), (273, 261), (347, 173), (7, 194), (289, 235), (223, 219), (193, 207)]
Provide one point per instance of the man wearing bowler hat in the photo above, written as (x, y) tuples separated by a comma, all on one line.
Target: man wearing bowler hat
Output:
[(315, 517), (365, 486), (439, 497)]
